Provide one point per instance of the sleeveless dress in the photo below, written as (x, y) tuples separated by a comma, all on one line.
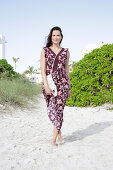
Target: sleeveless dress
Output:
[(55, 104)]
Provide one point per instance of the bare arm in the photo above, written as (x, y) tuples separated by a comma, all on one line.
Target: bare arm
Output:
[(67, 65), (43, 67)]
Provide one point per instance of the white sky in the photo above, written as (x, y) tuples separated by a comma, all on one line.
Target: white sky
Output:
[(26, 23)]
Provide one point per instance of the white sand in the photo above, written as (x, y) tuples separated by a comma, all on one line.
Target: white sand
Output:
[(25, 139)]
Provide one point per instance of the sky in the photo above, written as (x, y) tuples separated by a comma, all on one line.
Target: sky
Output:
[(26, 24)]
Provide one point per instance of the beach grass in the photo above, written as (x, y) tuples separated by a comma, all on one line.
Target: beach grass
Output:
[(18, 92), (110, 108)]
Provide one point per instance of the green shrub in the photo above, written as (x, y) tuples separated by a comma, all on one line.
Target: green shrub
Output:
[(92, 79), (6, 70), (15, 88)]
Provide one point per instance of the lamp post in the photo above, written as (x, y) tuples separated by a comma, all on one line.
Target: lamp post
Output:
[(2, 46)]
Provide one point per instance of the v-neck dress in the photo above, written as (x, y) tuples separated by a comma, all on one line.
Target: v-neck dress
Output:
[(55, 104)]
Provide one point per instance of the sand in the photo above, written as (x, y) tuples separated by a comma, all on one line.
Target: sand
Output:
[(25, 139)]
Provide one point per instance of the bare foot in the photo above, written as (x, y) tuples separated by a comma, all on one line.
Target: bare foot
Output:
[(53, 142)]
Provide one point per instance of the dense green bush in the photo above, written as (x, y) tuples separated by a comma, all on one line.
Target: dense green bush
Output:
[(6, 70), (92, 79)]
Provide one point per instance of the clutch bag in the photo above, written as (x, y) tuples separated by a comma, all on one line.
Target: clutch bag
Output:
[(52, 84)]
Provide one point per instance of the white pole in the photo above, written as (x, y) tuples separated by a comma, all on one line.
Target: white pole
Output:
[(2, 47)]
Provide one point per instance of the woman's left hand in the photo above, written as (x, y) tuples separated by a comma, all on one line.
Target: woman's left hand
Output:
[(69, 94)]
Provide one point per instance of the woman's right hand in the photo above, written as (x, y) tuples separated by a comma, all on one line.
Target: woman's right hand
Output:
[(48, 90)]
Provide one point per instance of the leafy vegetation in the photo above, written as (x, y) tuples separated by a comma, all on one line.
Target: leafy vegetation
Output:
[(30, 70), (18, 92), (6, 70), (92, 78), (15, 61), (15, 88)]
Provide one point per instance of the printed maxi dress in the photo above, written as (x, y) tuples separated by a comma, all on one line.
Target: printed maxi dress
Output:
[(55, 104)]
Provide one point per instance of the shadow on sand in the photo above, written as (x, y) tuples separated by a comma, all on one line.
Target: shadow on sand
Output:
[(91, 130)]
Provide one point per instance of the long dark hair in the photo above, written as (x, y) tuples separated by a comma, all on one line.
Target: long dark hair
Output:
[(49, 41)]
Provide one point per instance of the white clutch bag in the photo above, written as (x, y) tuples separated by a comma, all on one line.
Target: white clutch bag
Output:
[(50, 81), (52, 84)]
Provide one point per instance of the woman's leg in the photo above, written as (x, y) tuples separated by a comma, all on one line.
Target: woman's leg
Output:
[(55, 134), (59, 137)]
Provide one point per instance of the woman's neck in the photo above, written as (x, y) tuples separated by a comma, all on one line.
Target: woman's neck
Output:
[(55, 46)]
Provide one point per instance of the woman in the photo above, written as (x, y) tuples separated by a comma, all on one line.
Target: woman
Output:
[(60, 74)]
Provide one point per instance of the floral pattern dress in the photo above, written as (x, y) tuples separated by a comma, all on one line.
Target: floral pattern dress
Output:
[(55, 104)]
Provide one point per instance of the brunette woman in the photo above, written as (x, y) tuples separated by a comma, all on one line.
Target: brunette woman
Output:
[(54, 53)]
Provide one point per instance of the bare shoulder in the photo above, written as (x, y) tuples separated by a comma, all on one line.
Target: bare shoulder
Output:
[(43, 51)]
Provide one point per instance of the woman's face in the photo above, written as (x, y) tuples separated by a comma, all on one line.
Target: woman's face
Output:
[(56, 37)]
